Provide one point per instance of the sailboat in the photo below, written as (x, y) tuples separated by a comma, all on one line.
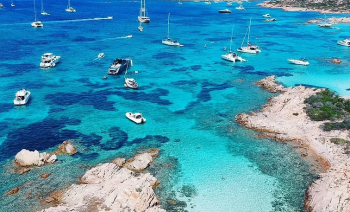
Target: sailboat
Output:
[(142, 17), (169, 41), (252, 49), (232, 56), (130, 81), (36, 23), (69, 8), (325, 24), (240, 7), (42, 9)]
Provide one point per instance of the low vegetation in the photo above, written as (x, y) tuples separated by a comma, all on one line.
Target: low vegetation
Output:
[(332, 5), (326, 105)]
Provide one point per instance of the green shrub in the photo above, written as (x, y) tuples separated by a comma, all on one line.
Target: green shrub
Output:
[(339, 141)]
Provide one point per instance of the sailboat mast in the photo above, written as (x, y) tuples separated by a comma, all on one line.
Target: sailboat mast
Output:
[(231, 39), (34, 11), (168, 23), (250, 22), (42, 6)]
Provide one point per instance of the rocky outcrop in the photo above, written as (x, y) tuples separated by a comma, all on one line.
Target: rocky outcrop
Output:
[(336, 61), (13, 191), (270, 84), (141, 161), (119, 161), (66, 148), (34, 158), (109, 187), (323, 6), (284, 119)]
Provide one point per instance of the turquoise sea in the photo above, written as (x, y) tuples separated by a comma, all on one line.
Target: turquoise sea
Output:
[(188, 95)]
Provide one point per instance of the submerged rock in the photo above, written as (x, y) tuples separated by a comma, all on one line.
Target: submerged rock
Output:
[(33, 158), (45, 175), (336, 61), (270, 84), (66, 148), (13, 191)]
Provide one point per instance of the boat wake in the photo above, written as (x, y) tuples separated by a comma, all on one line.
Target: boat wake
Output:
[(83, 19)]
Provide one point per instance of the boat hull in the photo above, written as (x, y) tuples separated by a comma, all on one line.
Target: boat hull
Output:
[(52, 63), (298, 62), (171, 43), (247, 50), (131, 83), (232, 58), (144, 19), (37, 24), (343, 43)]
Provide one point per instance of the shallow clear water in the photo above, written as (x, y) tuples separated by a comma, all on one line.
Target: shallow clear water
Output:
[(188, 95)]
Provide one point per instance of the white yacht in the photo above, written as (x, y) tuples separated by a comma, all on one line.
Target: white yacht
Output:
[(69, 8), (169, 41), (240, 7), (232, 56), (302, 61), (142, 17), (101, 55), (207, 2), (267, 16), (1, 5), (42, 9), (135, 117), (22, 97), (130, 81), (252, 49), (36, 23), (345, 42), (49, 60)]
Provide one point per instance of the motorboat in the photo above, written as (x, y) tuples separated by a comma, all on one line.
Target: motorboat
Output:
[(119, 65), (69, 8), (345, 42), (128, 36), (169, 41), (1, 5), (109, 17), (42, 9), (240, 7), (49, 60), (267, 16), (140, 28), (271, 20), (252, 49), (21, 97), (301, 61), (143, 18), (229, 3), (207, 2), (135, 117), (225, 11), (36, 23), (232, 56), (101, 55)]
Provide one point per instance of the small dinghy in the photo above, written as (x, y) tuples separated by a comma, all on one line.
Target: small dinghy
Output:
[(135, 117)]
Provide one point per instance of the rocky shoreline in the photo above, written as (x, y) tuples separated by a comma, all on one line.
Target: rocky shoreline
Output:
[(284, 118), (290, 8)]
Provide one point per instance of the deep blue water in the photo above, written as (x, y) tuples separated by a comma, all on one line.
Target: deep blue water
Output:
[(188, 95)]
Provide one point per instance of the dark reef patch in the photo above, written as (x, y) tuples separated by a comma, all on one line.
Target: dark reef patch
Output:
[(5, 107), (207, 87), (119, 139), (87, 82), (196, 67), (16, 69), (82, 39), (42, 135), (151, 138), (179, 69), (153, 97), (167, 55)]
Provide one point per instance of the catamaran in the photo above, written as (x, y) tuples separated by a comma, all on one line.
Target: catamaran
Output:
[(232, 56), (42, 9), (169, 41), (142, 17), (36, 23), (69, 8), (252, 49)]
